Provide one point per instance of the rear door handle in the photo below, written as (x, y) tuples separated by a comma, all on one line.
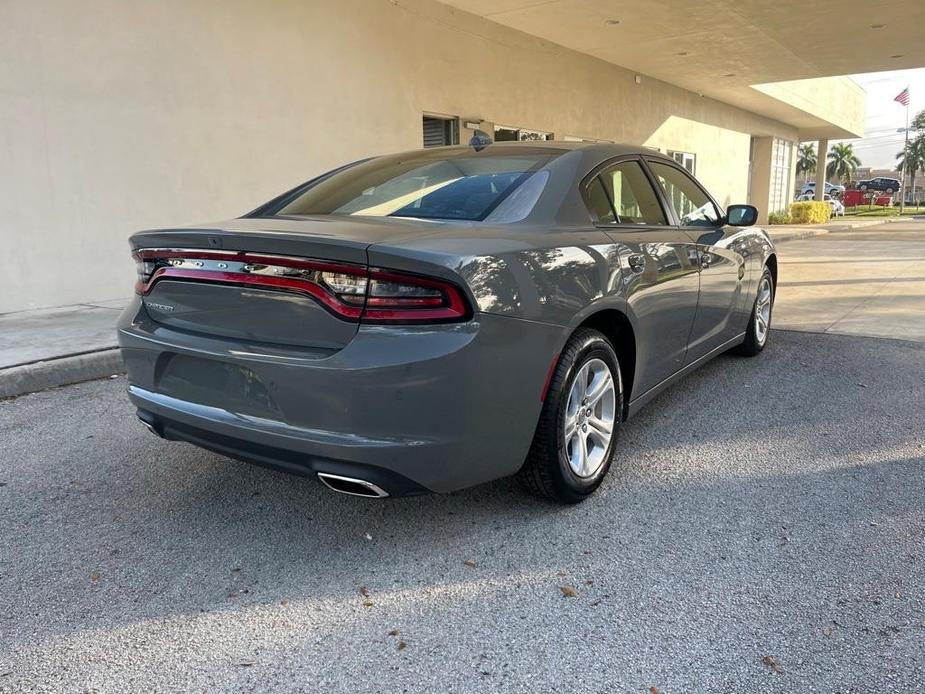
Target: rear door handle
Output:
[(636, 262)]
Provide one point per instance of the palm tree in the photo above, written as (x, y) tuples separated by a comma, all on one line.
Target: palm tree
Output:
[(918, 123), (912, 160), (806, 161), (843, 162)]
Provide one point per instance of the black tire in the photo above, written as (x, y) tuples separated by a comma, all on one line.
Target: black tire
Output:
[(547, 472), (753, 345)]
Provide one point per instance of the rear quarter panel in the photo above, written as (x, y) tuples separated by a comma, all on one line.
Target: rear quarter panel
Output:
[(538, 275)]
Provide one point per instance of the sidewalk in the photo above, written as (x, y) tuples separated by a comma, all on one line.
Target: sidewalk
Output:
[(54, 347)]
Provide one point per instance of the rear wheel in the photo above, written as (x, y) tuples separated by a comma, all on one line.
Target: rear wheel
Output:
[(759, 325), (576, 436)]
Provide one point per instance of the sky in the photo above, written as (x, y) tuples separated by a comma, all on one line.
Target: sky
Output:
[(881, 142)]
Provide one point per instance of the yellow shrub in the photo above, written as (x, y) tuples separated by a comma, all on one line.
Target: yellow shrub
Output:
[(810, 212)]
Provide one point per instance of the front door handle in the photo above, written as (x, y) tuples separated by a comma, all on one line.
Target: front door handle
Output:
[(636, 262)]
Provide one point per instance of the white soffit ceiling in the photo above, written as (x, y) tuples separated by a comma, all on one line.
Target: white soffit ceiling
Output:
[(720, 49)]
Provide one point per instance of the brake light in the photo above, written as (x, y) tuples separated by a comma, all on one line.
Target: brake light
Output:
[(350, 292), (395, 296)]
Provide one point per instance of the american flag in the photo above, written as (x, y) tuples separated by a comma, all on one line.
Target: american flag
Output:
[(903, 97)]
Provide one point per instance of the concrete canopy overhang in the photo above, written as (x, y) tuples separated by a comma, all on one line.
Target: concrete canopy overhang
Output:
[(783, 59)]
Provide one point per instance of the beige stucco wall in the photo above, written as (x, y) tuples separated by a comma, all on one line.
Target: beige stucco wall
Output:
[(116, 116)]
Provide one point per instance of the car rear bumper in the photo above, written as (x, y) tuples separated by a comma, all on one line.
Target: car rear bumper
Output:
[(409, 408), (208, 428)]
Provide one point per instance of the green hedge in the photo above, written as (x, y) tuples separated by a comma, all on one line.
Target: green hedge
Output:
[(810, 212)]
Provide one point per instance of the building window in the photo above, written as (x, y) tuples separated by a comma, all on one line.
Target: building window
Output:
[(505, 134), (781, 158), (440, 131), (572, 138), (685, 159)]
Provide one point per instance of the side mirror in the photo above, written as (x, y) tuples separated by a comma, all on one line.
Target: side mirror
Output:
[(741, 215)]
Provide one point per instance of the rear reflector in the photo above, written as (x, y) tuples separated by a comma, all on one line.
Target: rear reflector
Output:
[(351, 292), (549, 373)]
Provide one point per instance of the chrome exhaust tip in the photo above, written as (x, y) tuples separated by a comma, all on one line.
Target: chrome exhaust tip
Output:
[(352, 486), (150, 427)]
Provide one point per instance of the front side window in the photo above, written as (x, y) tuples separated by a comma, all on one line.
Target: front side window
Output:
[(458, 185), (622, 194), (693, 205)]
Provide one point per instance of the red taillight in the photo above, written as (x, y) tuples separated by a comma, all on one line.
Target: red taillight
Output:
[(349, 291), (394, 296)]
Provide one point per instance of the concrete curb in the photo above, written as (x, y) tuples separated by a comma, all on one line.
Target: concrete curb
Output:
[(29, 378), (907, 218), (784, 233), (845, 226), (795, 235)]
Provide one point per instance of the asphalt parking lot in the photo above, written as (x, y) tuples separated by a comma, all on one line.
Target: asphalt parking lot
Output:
[(762, 531)]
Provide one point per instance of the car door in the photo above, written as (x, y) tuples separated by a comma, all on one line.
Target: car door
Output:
[(658, 273), (722, 267)]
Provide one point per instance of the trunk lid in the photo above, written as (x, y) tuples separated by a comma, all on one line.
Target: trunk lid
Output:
[(201, 282), (332, 237)]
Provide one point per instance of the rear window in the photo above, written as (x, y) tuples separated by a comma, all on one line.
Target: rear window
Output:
[(457, 185)]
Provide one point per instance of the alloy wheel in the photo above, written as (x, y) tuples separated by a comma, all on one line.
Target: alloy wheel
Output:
[(763, 310), (590, 414)]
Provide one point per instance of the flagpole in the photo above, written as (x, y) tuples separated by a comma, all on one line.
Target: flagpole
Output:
[(902, 195)]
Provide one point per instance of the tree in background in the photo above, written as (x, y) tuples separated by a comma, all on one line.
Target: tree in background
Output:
[(918, 123), (912, 159), (843, 162), (806, 161)]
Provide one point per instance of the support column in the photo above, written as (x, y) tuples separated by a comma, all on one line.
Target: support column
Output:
[(759, 193), (821, 162)]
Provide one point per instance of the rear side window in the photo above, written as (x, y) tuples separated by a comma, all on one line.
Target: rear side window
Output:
[(693, 205), (455, 185), (599, 202), (622, 194)]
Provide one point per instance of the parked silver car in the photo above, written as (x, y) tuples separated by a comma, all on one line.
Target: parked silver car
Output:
[(835, 205), (830, 188), (430, 320)]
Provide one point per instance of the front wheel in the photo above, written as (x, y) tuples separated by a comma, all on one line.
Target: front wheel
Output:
[(759, 325), (576, 436)]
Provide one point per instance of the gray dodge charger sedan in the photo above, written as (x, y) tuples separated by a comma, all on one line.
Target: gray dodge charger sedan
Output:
[(431, 320)]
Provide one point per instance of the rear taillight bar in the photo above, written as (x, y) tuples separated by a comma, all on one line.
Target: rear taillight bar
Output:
[(351, 292)]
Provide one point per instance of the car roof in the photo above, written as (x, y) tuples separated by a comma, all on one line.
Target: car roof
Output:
[(606, 149)]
